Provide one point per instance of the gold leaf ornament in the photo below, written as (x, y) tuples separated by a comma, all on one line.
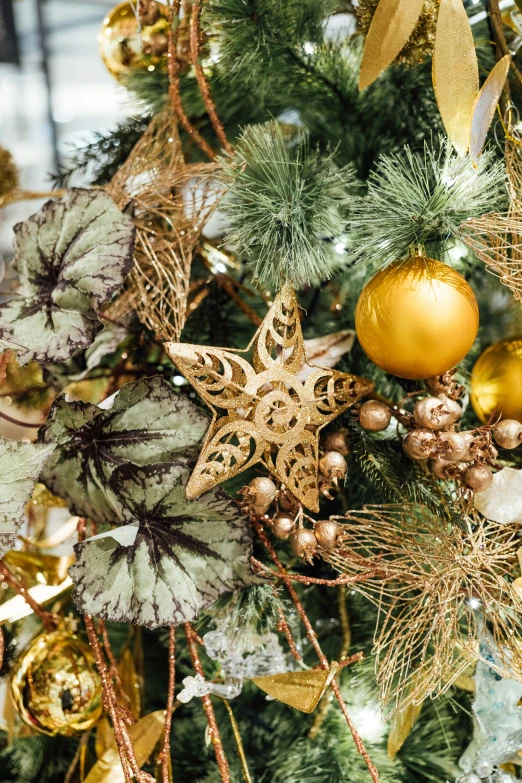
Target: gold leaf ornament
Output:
[(301, 690), (144, 735), (455, 72), (485, 105), (391, 26), (262, 412), (400, 726)]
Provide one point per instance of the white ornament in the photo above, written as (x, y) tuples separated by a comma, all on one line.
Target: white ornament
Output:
[(502, 501)]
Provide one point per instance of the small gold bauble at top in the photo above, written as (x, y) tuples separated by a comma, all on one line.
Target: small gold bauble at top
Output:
[(417, 318), (55, 686), (496, 381), (124, 48)]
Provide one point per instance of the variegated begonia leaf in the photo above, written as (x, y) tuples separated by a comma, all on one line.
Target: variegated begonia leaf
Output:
[(147, 422), (175, 556), (71, 257), (20, 466)]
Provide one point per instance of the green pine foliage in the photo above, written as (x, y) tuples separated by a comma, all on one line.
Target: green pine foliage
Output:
[(284, 202)]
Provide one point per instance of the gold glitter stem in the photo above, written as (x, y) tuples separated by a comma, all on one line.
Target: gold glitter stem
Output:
[(213, 729), (174, 89), (204, 86), (239, 743), (165, 753)]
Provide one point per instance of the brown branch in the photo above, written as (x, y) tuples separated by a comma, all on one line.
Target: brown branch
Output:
[(19, 423), (174, 89), (204, 86), (500, 40), (2, 647), (213, 729)]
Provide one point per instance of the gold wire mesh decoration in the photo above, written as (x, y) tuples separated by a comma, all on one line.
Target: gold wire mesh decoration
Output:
[(171, 202), (262, 411), (438, 589), (496, 238)]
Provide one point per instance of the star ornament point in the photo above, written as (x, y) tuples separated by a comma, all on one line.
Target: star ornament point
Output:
[(262, 413)]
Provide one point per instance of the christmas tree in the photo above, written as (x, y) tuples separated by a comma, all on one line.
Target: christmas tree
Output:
[(269, 529)]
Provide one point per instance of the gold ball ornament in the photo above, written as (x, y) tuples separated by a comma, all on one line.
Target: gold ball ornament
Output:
[(478, 477), (452, 446), (327, 532), (333, 465), (283, 525), (124, 49), (508, 433), (420, 444), (417, 318), (436, 413), (516, 584), (264, 490), (337, 441), (55, 686), (304, 543), (374, 416), (496, 381)]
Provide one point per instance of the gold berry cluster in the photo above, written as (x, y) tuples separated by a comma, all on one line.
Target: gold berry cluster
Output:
[(433, 436)]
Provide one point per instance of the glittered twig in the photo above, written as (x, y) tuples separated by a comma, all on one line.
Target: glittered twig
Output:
[(312, 636), (165, 753), (174, 91), (204, 86), (260, 568), (213, 729)]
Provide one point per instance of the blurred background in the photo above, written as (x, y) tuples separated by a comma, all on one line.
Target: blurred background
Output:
[(54, 91)]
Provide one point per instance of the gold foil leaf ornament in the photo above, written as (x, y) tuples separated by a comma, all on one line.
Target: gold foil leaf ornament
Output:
[(455, 72), (485, 105), (262, 411), (301, 690), (391, 26)]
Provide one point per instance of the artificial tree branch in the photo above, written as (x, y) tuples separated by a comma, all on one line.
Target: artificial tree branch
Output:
[(500, 39)]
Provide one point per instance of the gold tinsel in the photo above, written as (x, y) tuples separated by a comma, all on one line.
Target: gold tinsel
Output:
[(438, 588), (170, 201), (496, 238), (421, 42)]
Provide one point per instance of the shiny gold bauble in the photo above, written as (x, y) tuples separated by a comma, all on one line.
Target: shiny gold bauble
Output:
[(452, 446), (304, 543), (337, 441), (496, 381), (55, 686), (283, 525), (124, 50), (478, 477), (508, 433), (417, 318), (264, 490), (327, 533), (420, 444), (333, 465), (436, 413), (374, 416)]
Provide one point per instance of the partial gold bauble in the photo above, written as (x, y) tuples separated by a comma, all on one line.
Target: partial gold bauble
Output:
[(327, 533), (124, 49), (496, 381), (55, 686), (420, 444), (264, 490), (436, 413), (333, 465), (337, 441), (478, 477), (453, 446), (417, 318), (304, 543), (283, 525)]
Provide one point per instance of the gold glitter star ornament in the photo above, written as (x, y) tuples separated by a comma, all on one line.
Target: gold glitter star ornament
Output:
[(261, 411)]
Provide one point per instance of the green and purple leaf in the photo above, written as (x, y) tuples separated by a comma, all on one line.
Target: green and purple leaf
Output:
[(20, 466), (72, 257), (148, 422), (171, 560)]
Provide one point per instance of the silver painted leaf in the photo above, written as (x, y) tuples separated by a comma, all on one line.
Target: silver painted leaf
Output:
[(183, 556), (20, 466), (148, 422), (71, 257)]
